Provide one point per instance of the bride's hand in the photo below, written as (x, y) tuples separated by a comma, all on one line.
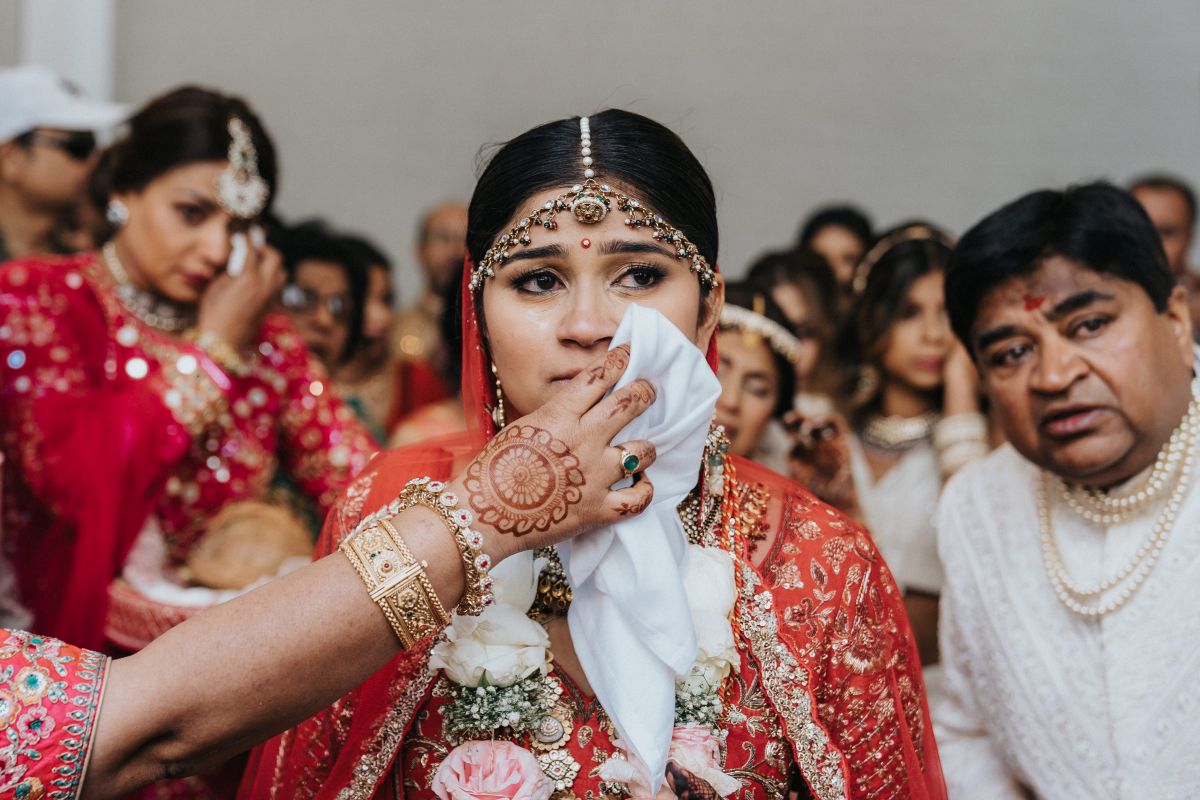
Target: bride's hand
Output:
[(547, 476)]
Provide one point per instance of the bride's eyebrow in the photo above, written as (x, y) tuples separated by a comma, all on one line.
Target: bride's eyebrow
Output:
[(533, 253), (622, 247)]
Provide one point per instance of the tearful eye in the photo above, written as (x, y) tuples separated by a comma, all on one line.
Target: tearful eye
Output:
[(191, 214), (536, 282)]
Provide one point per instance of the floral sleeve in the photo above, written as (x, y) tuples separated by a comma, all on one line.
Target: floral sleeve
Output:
[(50, 696)]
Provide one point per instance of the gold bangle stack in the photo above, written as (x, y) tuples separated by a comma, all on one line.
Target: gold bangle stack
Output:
[(433, 495), (223, 354), (397, 582)]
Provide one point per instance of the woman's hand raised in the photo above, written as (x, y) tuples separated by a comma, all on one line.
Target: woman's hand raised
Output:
[(548, 476)]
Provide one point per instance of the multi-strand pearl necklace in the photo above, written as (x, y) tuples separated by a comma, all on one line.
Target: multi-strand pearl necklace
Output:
[(1177, 459)]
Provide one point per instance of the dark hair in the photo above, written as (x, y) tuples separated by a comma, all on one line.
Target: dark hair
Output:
[(183, 126), (746, 295), (312, 240), (372, 258), (809, 272), (450, 330), (630, 150), (841, 216), (1096, 225), (877, 308), (1163, 180)]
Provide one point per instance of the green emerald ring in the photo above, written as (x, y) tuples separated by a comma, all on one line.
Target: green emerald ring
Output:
[(629, 462)]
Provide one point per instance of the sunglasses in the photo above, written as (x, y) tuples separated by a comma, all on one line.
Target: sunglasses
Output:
[(79, 145), (303, 300)]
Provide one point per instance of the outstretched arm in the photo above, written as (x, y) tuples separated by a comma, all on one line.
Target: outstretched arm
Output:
[(239, 672)]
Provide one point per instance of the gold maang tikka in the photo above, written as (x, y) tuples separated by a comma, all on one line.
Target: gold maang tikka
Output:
[(241, 190), (589, 202)]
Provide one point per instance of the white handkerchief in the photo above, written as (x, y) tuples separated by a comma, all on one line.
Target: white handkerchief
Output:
[(629, 618)]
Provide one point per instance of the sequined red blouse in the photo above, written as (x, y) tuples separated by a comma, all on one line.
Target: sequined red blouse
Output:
[(106, 422)]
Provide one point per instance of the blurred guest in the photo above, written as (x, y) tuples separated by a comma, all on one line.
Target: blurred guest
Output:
[(325, 291), (757, 369), (802, 285), (147, 393), (841, 234), (47, 150), (1171, 205), (368, 380), (444, 416), (441, 247), (1070, 628), (913, 414)]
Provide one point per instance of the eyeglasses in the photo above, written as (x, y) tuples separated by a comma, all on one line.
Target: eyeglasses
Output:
[(302, 300), (79, 145)]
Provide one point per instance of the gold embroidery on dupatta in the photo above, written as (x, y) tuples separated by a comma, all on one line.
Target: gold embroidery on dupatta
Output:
[(382, 752), (784, 679)]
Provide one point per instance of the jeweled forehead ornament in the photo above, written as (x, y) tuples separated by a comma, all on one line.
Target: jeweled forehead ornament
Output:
[(240, 189), (589, 202)]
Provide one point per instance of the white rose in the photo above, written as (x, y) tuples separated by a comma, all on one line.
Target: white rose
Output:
[(708, 581), (500, 647), (516, 579)]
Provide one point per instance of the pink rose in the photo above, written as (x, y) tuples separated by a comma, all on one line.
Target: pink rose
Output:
[(696, 749), (491, 771), (627, 769)]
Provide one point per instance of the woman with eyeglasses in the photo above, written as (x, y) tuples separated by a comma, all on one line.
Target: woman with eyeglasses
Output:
[(148, 393)]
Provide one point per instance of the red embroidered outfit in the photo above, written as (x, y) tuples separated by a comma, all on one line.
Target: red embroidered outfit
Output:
[(109, 425), (828, 682), (49, 700)]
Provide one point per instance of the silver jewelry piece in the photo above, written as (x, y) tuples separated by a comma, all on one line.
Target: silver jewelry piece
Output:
[(240, 189), (117, 213)]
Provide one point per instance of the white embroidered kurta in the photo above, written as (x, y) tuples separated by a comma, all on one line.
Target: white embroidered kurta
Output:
[(1036, 696)]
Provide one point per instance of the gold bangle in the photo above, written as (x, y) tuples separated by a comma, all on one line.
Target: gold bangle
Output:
[(397, 582), (223, 354), (477, 594)]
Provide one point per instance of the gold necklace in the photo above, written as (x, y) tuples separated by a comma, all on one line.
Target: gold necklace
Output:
[(155, 311)]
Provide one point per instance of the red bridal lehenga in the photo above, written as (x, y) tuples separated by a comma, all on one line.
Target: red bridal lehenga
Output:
[(827, 697)]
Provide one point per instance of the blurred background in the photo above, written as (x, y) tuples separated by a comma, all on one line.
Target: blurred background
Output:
[(938, 108)]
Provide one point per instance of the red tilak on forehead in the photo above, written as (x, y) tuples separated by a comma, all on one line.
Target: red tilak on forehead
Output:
[(1034, 301)]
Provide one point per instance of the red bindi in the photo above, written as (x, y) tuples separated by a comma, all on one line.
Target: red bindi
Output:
[(1033, 302), (585, 243)]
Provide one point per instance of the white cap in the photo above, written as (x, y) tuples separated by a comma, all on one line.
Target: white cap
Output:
[(34, 97)]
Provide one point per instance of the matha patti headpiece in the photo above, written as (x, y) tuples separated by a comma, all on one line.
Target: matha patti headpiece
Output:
[(777, 337), (240, 189), (590, 202), (909, 233)]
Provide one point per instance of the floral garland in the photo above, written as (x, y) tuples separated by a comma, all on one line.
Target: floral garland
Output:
[(497, 664)]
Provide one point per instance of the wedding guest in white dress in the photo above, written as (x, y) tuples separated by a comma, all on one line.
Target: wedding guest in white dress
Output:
[(1072, 554)]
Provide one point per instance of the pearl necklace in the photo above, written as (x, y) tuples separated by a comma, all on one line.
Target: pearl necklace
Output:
[(156, 312), (1085, 600), (899, 433), (1098, 506)]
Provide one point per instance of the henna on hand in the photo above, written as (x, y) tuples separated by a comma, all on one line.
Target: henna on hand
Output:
[(526, 480), (617, 358), (627, 509)]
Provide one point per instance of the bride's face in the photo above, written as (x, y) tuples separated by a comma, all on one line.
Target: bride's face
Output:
[(555, 304)]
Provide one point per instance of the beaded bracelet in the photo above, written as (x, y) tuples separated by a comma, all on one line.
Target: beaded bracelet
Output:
[(433, 495), (221, 352), (397, 582)]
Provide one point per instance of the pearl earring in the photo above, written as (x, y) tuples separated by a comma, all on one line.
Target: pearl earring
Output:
[(117, 213)]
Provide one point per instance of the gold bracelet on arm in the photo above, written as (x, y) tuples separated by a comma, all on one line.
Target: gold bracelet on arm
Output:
[(476, 564), (397, 582)]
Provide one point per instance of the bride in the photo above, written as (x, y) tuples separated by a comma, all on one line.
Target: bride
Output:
[(804, 677)]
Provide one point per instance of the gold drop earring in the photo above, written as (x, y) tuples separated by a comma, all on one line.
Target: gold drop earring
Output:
[(498, 409)]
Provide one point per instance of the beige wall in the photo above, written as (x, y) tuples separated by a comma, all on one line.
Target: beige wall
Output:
[(9, 32), (935, 108)]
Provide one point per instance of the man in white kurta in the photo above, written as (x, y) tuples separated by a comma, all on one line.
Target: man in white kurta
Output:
[(1088, 369)]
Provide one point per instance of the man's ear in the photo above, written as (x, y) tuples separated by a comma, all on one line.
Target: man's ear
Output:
[(1179, 315), (710, 315)]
